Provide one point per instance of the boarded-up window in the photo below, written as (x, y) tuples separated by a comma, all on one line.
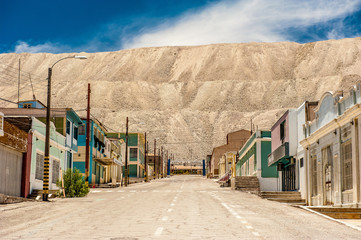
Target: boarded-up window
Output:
[(55, 174), (82, 129), (39, 171), (347, 165), (346, 157)]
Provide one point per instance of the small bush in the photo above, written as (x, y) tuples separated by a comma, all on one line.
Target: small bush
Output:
[(74, 184)]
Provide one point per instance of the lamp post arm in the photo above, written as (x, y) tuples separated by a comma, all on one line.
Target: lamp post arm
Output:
[(47, 132), (61, 60)]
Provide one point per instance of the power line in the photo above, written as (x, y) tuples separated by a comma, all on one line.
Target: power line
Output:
[(6, 100), (16, 70)]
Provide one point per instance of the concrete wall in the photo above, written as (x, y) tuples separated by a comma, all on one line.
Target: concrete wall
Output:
[(57, 152)]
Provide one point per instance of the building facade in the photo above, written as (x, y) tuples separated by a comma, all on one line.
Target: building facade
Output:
[(235, 141), (66, 121), (332, 151), (14, 162), (253, 161), (136, 144), (57, 155)]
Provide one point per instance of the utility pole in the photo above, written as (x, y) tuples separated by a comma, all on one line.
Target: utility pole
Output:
[(47, 141), (158, 163), (145, 157), (19, 84), (126, 156), (47, 131), (87, 145), (155, 145), (251, 127), (148, 179), (162, 154), (168, 163)]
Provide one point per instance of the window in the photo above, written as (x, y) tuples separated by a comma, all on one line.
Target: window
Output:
[(67, 127), (133, 152), (75, 133), (301, 162), (39, 171), (282, 130), (55, 174), (82, 129), (346, 157), (346, 149), (27, 105)]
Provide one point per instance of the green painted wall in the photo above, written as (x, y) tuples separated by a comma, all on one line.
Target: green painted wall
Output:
[(80, 166), (39, 145), (133, 170), (267, 172), (132, 138), (247, 144), (265, 134), (252, 151), (58, 122)]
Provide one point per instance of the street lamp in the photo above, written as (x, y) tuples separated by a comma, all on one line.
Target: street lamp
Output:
[(47, 131)]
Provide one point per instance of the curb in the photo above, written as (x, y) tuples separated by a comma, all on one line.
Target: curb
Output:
[(330, 218)]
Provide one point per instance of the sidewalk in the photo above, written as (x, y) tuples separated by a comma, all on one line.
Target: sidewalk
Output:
[(353, 223)]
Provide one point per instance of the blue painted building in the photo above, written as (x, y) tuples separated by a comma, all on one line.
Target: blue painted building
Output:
[(66, 122), (98, 148)]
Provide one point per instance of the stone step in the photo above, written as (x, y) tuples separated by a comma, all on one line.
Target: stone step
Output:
[(339, 212), (336, 209), (287, 200), (36, 193), (247, 184), (280, 196), (283, 197), (284, 193), (343, 215), (247, 189)]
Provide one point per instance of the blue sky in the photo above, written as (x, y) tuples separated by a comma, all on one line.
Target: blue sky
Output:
[(111, 25)]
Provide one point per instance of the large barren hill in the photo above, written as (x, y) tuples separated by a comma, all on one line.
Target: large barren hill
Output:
[(188, 98)]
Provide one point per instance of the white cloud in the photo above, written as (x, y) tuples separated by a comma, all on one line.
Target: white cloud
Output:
[(242, 21), (46, 47)]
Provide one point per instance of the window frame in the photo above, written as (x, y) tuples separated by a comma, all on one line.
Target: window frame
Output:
[(76, 132), (135, 151), (67, 127), (39, 166), (283, 130), (54, 176)]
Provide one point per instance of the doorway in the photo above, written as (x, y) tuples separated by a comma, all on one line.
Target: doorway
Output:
[(289, 178)]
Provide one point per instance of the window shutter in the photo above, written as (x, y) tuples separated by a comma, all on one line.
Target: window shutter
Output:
[(39, 166)]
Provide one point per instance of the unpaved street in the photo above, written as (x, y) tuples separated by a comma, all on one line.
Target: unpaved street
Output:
[(180, 207)]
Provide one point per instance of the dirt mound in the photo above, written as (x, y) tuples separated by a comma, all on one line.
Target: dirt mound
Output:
[(189, 98)]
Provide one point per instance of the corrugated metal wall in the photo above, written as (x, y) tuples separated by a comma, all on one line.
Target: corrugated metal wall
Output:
[(10, 171)]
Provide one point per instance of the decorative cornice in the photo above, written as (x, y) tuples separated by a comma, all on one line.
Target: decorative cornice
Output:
[(345, 118)]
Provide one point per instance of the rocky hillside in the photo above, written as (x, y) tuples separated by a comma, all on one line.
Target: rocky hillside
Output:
[(189, 98)]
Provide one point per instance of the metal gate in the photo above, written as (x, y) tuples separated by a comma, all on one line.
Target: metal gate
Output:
[(289, 178), (10, 171)]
